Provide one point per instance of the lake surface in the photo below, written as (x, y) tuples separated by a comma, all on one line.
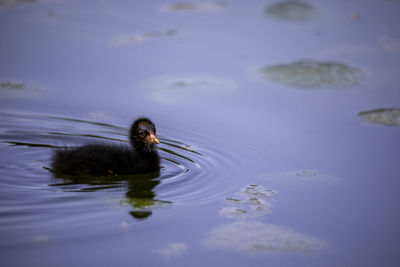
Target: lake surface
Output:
[(278, 121)]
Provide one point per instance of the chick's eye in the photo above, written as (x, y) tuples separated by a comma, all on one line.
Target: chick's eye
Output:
[(142, 133)]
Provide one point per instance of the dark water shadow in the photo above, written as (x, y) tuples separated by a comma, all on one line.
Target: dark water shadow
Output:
[(139, 189)]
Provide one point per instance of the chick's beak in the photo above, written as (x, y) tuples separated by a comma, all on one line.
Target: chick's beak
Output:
[(153, 139)]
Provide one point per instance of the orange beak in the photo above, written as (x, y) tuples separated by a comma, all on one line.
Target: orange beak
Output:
[(152, 139)]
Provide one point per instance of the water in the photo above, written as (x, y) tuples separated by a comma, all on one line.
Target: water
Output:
[(278, 124)]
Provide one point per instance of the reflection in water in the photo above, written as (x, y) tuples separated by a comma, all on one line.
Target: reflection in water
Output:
[(259, 237), (384, 116), (141, 196), (139, 189), (187, 175), (291, 10), (173, 250), (281, 128), (311, 74), (178, 160), (138, 38), (201, 6)]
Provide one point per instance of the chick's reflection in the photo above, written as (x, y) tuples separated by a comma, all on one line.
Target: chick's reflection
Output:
[(139, 189), (141, 196)]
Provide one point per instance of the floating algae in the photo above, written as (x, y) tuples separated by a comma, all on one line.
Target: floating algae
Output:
[(384, 116), (259, 237), (312, 74), (292, 11)]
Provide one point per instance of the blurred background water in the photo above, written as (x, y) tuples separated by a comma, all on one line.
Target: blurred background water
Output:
[(278, 121)]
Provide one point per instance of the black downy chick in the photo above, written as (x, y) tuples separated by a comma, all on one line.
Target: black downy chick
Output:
[(102, 159)]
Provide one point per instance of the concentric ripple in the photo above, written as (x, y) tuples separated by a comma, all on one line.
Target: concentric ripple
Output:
[(196, 168), (196, 174)]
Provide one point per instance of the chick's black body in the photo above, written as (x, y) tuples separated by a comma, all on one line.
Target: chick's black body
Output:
[(140, 157)]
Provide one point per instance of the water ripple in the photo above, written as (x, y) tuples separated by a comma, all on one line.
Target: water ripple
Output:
[(196, 168)]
